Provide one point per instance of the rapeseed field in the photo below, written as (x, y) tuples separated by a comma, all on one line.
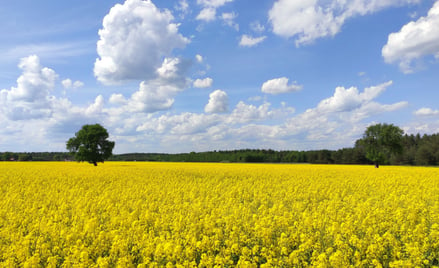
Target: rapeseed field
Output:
[(127, 214)]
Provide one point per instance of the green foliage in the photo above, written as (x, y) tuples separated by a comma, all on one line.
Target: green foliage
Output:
[(90, 144), (381, 141), (416, 150), (8, 156)]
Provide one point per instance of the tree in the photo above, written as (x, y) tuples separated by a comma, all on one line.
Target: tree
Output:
[(381, 141), (9, 156), (90, 144)]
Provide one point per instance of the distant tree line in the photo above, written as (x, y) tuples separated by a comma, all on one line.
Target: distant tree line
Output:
[(416, 150), (35, 156)]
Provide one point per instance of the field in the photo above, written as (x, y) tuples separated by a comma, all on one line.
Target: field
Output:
[(126, 214)]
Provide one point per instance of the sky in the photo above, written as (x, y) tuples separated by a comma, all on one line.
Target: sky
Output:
[(202, 75)]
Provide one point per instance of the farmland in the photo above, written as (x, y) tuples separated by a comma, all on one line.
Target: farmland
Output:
[(132, 214)]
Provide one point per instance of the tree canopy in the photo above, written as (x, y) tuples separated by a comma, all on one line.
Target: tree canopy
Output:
[(381, 141), (90, 144), (417, 150)]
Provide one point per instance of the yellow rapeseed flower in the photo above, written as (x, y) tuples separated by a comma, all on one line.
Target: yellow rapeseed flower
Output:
[(217, 215)]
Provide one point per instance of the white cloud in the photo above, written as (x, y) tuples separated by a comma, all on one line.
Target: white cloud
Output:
[(342, 100), (349, 99), (96, 107), (35, 82), (425, 126), (414, 41), (170, 68), (229, 20), (213, 3), (310, 20), (245, 113), (340, 117), (199, 58), (255, 98), (181, 124), (203, 83), (134, 38), (31, 98), (37, 119), (249, 41), (252, 126), (48, 50), (152, 97), (426, 112), (192, 131), (183, 8), (369, 109), (280, 85), (218, 102), (207, 14), (183, 5), (117, 99), (78, 84), (372, 92), (156, 94), (136, 125), (257, 27), (68, 84)]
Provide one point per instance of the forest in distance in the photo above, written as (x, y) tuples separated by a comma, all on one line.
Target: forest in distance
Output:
[(417, 150)]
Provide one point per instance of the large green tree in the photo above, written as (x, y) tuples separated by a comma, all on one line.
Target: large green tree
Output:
[(381, 141), (90, 144)]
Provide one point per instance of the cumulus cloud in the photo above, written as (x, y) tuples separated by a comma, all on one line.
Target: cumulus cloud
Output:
[(68, 84), (280, 85), (183, 8), (136, 124), (350, 99), (181, 124), (249, 41), (135, 37), (310, 20), (31, 97), (208, 13), (369, 109), (245, 113), (38, 119), (117, 99), (218, 102), (229, 20), (414, 41), (426, 112), (199, 58), (257, 27), (331, 125), (96, 107), (156, 94), (172, 69), (203, 83), (213, 3), (152, 97), (341, 116), (213, 130)]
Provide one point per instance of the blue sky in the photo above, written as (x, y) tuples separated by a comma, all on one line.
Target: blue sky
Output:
[(199, 75)]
